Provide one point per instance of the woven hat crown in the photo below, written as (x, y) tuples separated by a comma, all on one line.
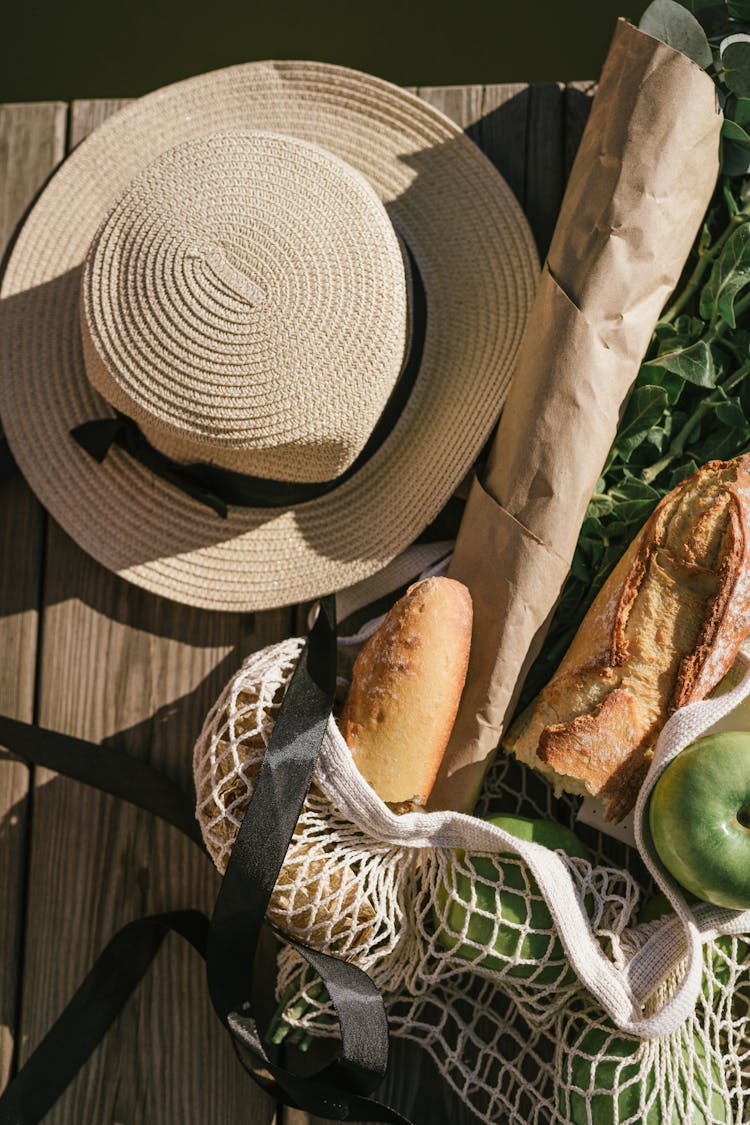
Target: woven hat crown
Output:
[(242, 297), (245, 302)]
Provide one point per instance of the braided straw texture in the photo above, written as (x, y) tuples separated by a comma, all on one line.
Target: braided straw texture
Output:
[(478, 263), (556, 1007), (245, 302)]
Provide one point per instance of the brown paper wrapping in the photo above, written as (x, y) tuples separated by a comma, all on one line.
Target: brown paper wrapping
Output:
[(639, 188)]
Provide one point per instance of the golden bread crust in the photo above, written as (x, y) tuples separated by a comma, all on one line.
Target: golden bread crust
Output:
[(405, 690), (662, 632)]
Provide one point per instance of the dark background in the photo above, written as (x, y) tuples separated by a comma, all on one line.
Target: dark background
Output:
[(51, 49)]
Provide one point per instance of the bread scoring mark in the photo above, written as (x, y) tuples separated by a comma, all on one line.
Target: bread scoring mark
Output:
[(664, 629)]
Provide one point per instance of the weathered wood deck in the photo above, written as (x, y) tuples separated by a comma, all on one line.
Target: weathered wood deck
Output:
[(85, 653)]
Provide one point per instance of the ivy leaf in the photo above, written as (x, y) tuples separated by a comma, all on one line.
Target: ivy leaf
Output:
[(694, 363), (635, 489), (684, 330), (729, 276), (720, 444), (672, 384), (579, 569), (738, 9), (731, 414), (611, 557), (735, 159), (677, 476), (655, 376), (590, 551), (634, 511), (735, 59), (741, 108), (738, 343), (596, 509), (673, 24), (657, 437), (591, 527), (689, 326), (645, 407), (733, 131)]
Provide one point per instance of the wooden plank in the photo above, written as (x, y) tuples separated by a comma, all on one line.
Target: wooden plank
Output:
[(545, 161), (504, 125), (32, 142), (578, 98), (462, 103), (121, 665), (89, 114)]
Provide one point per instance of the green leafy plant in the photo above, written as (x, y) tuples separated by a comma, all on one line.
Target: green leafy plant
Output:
[(691, 399)]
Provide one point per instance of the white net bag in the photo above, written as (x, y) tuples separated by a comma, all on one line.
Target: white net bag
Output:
[(519, 969)]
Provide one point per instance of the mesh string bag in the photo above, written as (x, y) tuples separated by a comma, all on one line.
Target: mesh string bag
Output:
[(522, 971)]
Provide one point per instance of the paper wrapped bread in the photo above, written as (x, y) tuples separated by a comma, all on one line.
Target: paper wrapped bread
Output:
[(637, 194), (664, 629), (405, 690)]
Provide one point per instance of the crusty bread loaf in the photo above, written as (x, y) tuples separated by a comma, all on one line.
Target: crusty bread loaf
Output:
[(663, 630), (406, 686)]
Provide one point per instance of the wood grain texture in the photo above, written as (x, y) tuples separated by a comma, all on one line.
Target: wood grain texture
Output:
[(90, 113), (462, 103), (578, 98), (503, 129), (146, 673), (32, 143), (545, 161), (138, 672)]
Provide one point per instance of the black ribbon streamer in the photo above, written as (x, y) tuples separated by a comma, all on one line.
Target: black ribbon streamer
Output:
[(231, 941), (211, 485), (216, 487)]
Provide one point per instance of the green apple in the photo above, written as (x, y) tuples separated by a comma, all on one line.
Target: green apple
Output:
[(497, 906), (657, 907), (620, 1077), (587, 1074), (699, 816)]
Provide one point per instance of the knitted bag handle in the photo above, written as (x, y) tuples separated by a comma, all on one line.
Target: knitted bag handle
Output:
[(621, 991)]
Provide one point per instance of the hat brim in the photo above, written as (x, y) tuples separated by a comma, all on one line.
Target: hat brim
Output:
[(478, 263)]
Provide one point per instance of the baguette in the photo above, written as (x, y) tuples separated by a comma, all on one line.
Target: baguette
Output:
[(662, 632), (405, 690)]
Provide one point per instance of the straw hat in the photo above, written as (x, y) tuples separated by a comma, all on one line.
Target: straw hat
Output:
[(299, 281)]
